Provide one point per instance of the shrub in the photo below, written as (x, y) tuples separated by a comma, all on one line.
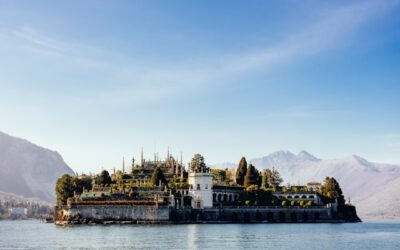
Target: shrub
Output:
[(284, 203)]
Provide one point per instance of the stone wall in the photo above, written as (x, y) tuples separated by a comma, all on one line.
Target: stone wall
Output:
[(253, 215), (119, 213), (165, 214)]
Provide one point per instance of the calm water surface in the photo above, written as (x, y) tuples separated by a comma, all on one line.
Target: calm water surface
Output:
[(37, 235)]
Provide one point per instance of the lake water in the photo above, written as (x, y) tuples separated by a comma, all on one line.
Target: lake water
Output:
[(37, 235)]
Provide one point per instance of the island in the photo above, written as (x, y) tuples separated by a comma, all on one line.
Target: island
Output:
[(167, 192)]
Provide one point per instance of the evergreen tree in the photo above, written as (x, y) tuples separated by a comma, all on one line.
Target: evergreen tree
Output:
[(80, 183), (241, 171), (104, 178), (158, 176), (197, 164), (251, 177), (64, 189), (332, 190)]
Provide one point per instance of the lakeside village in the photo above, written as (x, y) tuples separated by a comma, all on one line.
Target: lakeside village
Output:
[(164, 191), (15, 208)]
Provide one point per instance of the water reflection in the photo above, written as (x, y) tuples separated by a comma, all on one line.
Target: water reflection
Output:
[(36, 235)]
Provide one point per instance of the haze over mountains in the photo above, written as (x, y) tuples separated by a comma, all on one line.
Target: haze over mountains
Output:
[(29, 170), (372, 187)]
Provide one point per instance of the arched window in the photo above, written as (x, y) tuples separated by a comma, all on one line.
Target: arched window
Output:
[(296, 197), (304, 197), (293, 216), (305, 216), (225, 197), (289, 197), (282, 217), (198, 186), (234, 217), (311, 196), (270, 216), (219, 197), (259, 216), (214, 197)]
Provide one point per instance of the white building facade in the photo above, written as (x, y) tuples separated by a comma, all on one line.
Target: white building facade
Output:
[(200, 189)]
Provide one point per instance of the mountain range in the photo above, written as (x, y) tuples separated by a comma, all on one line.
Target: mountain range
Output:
[(31, 171), (28, 170), (372, 187)]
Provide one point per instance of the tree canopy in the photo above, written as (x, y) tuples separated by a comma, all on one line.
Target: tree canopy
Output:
[(251, 177), (241, 171), (219, 174), (158, 176), (64, 189), (104, 178), (271, 178), (197, 164), (81, 183), (332, 190)]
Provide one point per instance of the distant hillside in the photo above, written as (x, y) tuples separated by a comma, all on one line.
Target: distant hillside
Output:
[(29, 170), (7, 197), (372, 187), (224, 165)]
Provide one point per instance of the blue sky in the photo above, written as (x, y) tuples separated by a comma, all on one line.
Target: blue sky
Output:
[(97, 80)]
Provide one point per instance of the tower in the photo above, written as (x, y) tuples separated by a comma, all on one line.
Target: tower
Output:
[(123, 165), (141, 157), (200, 185)]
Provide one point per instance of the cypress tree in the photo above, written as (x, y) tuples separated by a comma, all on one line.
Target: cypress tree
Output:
[(251, 177), (241, 171)]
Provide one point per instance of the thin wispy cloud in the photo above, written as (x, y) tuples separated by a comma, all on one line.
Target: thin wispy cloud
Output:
[(46, 43), (334, 28), (327, 32), (140, 83)]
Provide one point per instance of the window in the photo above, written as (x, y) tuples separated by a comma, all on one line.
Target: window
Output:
[(206, 186), (191, 186), (198, 186)]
